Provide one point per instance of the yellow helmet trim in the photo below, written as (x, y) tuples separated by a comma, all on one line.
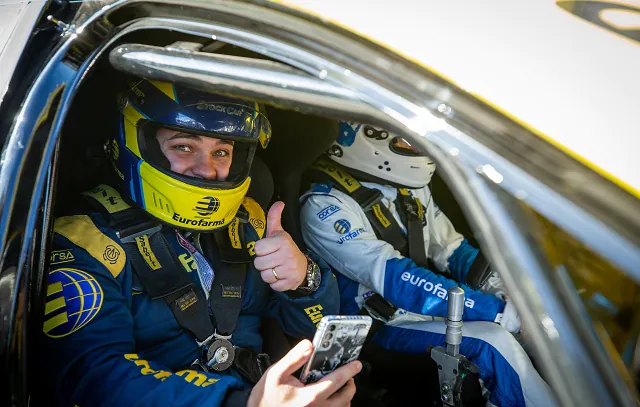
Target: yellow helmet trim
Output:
[(187, 206)]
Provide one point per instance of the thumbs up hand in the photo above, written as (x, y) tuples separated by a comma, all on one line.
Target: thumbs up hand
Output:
[(281, 264)]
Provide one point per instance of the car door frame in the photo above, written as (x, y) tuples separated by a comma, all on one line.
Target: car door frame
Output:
[(457, 130)]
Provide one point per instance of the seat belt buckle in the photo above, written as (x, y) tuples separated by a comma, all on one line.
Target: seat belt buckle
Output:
[(218, 353), (379, 308)]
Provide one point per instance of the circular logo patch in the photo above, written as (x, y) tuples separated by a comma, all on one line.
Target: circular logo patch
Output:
[(207, 205), (74, 298), (342, 226), (111, 254), (257, 223)]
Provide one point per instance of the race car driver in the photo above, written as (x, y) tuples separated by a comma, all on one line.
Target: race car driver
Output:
[(370, 215), (155, 294)]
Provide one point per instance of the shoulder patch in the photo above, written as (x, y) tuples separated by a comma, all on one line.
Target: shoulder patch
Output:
[(74, 298), (82, 232), (256, 215)]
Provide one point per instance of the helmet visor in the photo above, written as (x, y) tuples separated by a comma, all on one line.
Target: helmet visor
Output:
[(402, 146), (203, 159)]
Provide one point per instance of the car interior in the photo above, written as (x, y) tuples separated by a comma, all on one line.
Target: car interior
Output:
[(298, 140)]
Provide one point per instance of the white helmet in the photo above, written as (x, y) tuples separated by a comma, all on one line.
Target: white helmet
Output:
[(375, 154)]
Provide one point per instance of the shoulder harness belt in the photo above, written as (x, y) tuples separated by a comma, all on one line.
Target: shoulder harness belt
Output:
[(163, 276), (411, 212), (384, 224)]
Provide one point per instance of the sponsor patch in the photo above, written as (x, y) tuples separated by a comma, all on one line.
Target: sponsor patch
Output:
[(147, 254), (231, 291), (328, 211), (342, 226), (74, 298), (81, 231), (61, 256), (377, 211), (111, 254), (257, 223), (348, 131), (256, 215), (314, 313), (197, 222), (234, 233), (187, 300), (207, 206), (350, 236), (437, 290), (231, 110), (341, 177), (108, 197)]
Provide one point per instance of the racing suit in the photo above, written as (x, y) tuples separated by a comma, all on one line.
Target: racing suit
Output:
[(109, 344), (335, 226)]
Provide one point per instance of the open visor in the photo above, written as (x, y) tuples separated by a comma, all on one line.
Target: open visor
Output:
[(211, 145), (402, 146)]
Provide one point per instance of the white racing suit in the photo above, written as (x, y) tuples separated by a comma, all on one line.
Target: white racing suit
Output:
[(336, 228)]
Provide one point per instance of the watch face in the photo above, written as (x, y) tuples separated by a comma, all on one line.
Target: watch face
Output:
[(313, 278), (314, 282)]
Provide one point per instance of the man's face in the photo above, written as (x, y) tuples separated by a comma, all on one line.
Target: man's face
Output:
[(196, 156)]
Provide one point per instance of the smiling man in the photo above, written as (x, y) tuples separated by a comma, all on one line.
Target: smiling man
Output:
[(159, 296)]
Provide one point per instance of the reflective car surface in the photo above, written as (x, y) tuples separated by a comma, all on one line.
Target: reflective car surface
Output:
[(563, 233)]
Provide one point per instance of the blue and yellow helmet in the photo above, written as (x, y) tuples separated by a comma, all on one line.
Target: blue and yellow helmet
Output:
[(179, 200)]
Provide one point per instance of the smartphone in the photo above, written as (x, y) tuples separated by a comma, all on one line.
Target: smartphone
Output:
[(337, 341)]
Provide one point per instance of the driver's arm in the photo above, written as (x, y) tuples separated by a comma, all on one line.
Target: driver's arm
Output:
[(299, 315), (362, 257), (448, 249)]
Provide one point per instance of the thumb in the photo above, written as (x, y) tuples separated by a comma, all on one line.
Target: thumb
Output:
[(293, 360), (274, 219)]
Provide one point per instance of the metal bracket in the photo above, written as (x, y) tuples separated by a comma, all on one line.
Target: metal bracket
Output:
[(452, 367)]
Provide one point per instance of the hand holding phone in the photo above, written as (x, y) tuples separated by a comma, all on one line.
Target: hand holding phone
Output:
[(279, 387), (337, 341)]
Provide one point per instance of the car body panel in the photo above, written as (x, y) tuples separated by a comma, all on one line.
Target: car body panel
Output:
[(466, 158), (548, 64), (17, 19)]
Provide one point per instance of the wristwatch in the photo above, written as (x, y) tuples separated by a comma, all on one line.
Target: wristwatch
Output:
[(313, 277)]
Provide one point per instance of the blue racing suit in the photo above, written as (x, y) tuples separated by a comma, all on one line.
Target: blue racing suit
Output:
[(335, 226), (108, 343)]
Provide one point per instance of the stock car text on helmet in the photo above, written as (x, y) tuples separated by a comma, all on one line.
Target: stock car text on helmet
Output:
[(220, 108)]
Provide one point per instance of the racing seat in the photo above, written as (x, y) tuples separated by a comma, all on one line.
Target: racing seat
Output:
[(298, 140), (275, 342)]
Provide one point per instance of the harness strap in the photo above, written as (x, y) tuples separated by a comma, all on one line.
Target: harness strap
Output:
[(384, 224), (413, 211), (225, 300), (369, 199), (156, 265), (479, 272), (163, 276)]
